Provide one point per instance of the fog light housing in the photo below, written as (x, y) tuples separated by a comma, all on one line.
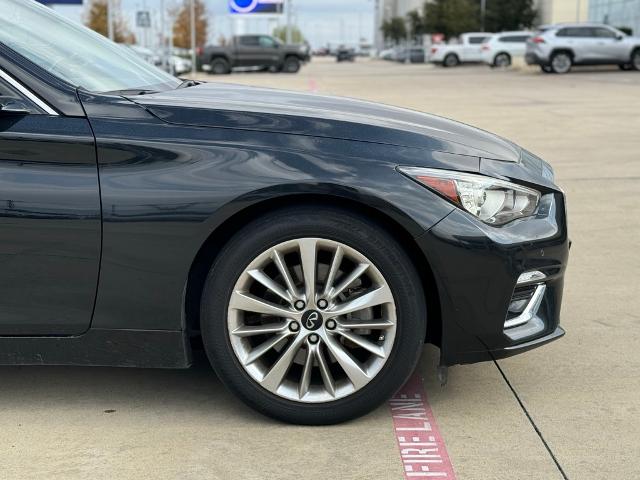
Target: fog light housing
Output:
[(526, 299)]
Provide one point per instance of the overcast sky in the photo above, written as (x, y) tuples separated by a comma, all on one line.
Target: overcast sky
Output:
[(322, 21)]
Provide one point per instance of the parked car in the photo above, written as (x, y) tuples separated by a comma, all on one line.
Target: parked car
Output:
[(467, 51), (388, 53), (175, 64), (258, 51), (411, 54), (310, 244), (500, 49), (344, 54), (557, 48)]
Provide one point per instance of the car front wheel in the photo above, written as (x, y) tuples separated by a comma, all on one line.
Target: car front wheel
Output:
[(291, 65), (313, 315)]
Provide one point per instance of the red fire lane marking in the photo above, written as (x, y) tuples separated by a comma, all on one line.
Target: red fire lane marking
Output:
[(422, 448)]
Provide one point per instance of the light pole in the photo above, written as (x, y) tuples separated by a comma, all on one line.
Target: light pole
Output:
[(483, 12), (193, 36), (289, 26), (163, 40), (110, 20)]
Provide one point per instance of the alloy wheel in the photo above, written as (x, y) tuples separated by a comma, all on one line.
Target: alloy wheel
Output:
[(312, 320), (561, 63), (502, 60)]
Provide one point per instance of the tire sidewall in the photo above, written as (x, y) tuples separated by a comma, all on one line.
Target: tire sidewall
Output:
[(507, 62), (455, 61), (291, 65), (355, 232), (216, 64), (553, 68)]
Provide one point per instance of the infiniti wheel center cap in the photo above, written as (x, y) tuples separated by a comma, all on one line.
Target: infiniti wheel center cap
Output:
[(312, 320)]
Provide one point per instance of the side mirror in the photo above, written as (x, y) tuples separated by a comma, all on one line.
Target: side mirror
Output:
[(619, 37), (10, 107)]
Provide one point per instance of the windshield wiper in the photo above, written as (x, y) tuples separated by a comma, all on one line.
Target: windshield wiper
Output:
[(131, 91)]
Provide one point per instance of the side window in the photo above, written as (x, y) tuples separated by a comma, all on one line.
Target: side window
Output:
[(249, 41), (604, 33), (477, 40), (267, 42), (575, 32), (514, 38), (12, 99)]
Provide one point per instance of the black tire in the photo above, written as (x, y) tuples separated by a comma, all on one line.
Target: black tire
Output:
[(220, 66), (546, 69), (502, 60), (635, 59), (451, 60), (291, 65), (561, 62), (332, 224)]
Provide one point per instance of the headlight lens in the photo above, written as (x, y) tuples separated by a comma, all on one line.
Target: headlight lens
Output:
[(493, 201)]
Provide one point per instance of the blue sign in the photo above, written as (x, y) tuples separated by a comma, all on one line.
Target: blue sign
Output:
[(61, 2), (256, 6)]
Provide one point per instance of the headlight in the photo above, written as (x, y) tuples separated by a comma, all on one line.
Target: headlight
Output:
[(493, 201)]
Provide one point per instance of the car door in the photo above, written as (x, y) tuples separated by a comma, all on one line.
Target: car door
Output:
[(473, 48), (516, 44), (248, 51), (584, 41), (270, 52), (609, 48), (50, 223)]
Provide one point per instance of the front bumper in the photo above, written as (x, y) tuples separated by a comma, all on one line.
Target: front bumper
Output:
[(476, 269)]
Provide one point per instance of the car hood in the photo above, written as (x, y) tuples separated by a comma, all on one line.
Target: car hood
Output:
[(271, 110)]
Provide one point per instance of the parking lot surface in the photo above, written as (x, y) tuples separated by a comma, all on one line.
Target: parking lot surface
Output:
[(568, 410)]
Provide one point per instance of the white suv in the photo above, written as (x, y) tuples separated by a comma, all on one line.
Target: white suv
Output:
[(502, 48), (557, 48)]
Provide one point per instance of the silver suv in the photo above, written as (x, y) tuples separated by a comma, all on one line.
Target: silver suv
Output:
[(557, 48)]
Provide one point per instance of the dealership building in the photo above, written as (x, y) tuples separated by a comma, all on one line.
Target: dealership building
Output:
[(617, 13)]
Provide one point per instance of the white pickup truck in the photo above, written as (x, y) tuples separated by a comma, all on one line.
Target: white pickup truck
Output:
[(467, 51)]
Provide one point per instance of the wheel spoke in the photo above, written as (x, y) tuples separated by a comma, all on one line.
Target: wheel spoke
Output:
[(308, 257), (377, 350), (352, 277), (305, 379), (333, 271), (263, 279), (355, 324), (264, 347), (325, 373), (249, 303), (358, 377), (266, 329), (375, 297), (284, 271), (273, 378)]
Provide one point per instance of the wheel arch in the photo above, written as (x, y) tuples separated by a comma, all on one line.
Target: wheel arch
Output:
[(221, 56), (502, 52), (393, 224), (555, 51)]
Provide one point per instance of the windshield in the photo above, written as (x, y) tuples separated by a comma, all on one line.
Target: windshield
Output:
[(74, 53)]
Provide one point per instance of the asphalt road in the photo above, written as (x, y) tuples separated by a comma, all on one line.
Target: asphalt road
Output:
[(571, 408)]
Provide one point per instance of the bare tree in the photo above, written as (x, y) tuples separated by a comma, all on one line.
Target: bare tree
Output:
[(182, 25), (98, 21)]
